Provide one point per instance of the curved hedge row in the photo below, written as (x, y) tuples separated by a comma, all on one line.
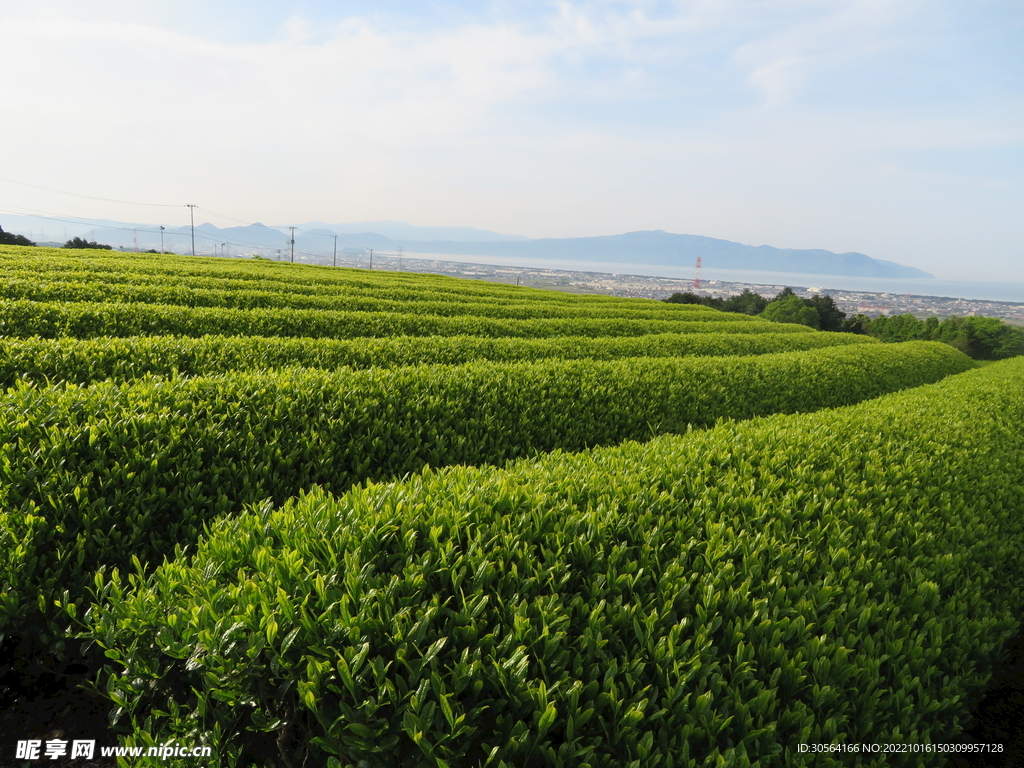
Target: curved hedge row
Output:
[(87, 320), (209, 292), (83, 361), (117, 268), (716, 599), (92, 476)]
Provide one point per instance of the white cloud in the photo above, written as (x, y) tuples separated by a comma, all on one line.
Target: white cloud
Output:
[(836, 33), (780, 80)]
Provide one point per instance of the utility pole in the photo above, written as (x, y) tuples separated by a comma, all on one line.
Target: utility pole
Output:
[(335, 250), (399, 258), (371, 258), (292, 243), (192, 218), (161, 238)]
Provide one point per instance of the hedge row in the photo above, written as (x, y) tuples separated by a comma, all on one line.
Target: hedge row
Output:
[(118, 267), (93, 476), (87, 320), (845, 577), (207, 293), (83, 361)]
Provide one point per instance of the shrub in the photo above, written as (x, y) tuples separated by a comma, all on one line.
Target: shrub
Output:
[(92, 476), (844, 577)]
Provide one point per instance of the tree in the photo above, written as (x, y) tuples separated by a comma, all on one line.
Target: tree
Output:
[(983, 338), (9, 238), (830, 317), (899, 328), (77, 242), (685, 298), (857, 324), (747, 303), (692, 298), (785, 293), (791, 309)]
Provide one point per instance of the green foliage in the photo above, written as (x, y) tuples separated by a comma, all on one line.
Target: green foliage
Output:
[(113, 268), (212, 293), (89, 320), (858, 324), (830, 317), (78, 242), (711, 599), (82, 361), (791, 309), (687, 297), (115, 471), (982, 338), (747, 302)]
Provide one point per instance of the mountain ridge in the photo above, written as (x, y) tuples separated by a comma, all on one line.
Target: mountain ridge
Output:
[(649, 247)]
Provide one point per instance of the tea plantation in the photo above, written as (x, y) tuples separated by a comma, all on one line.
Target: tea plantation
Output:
[(331, 517)]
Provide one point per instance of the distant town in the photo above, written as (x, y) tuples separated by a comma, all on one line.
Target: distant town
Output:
[(645, 287)]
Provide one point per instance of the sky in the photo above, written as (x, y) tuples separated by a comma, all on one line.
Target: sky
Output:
[(893, 128)]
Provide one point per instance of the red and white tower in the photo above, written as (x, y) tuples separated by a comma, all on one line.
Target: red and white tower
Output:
[(696, 277)]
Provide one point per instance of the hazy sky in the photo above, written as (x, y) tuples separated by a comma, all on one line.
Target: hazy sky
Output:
[(890, 127)]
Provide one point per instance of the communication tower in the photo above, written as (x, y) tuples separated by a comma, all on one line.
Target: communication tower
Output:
[(696, 277)]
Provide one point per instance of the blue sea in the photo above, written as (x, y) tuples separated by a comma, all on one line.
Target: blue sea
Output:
[(989, 291)]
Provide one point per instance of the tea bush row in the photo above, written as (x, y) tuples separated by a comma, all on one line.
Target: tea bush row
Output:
[(206, 295), (83, 361), (719, 598), (132, 268), (92, 476), (88, 320)]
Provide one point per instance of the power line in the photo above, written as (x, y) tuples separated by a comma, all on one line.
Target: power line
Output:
[(90, 197), (92, 208), (222, 216), (18, 211)]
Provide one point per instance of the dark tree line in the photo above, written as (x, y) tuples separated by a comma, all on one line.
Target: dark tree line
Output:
[(818, 312), (982, 338), (9, 238), (78, 242)]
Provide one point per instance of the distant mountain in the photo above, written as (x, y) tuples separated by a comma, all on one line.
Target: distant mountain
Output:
[(656, 247), (664, 248)]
